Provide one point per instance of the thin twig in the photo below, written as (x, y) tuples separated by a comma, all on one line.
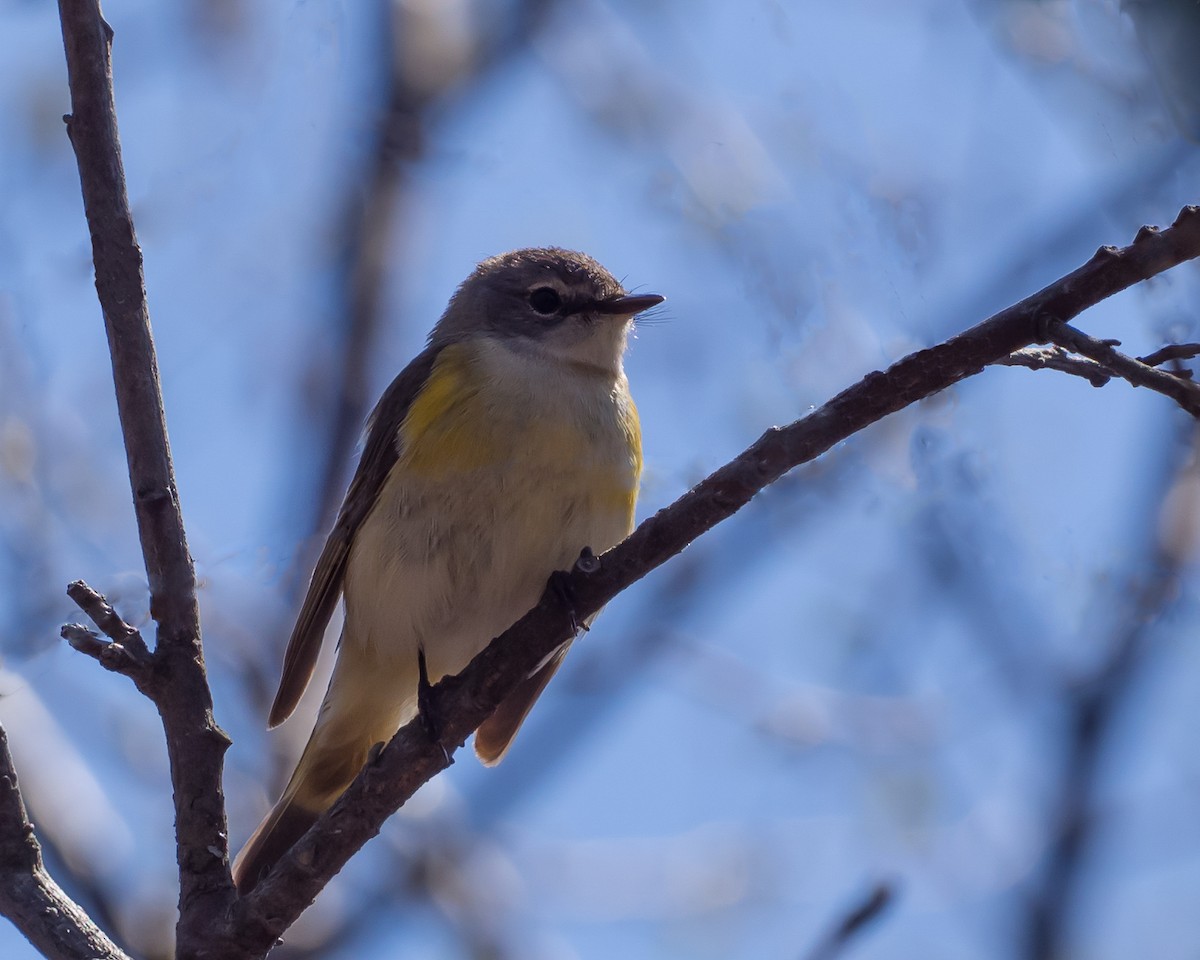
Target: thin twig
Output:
[(1056, 358), (1172, 351), (101, 613), (467, 699), (853, 922), (112, 656), (125, 651), (55, 925), (1103, 352)]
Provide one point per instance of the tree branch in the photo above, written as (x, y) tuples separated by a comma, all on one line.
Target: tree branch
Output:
[(1097, 362), (465, 700), (195, 744), (55, 925)]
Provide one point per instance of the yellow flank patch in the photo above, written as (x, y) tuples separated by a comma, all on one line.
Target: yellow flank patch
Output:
[(463, 420), (446, 427), (626, 497)]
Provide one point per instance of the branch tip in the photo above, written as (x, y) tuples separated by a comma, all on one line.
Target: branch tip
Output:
[(101, 613)]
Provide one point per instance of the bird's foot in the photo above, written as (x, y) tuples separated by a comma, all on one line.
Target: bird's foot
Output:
[(428, 708), (560, 585)]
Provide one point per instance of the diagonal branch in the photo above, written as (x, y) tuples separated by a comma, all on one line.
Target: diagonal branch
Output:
[(195, 744), (29, 897), (465, 700)]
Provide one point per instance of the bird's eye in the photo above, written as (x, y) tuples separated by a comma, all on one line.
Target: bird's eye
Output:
[(545, 300)]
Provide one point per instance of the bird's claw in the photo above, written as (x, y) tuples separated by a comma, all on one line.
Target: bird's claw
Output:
[(427, 707)]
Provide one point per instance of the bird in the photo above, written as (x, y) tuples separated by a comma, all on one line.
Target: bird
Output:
[(505, 448)]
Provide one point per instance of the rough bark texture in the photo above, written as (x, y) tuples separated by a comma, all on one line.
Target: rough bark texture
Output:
[(52, 921), (195, 744)]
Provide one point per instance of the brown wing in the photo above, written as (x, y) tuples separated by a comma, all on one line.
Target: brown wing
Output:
[(379, 456)]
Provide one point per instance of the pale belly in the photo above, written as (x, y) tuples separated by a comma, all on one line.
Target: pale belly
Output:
[(481, 508), (450, 566)]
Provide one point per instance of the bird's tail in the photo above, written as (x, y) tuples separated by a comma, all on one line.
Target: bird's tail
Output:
[(353, 718), (329, 763), (283, 826)]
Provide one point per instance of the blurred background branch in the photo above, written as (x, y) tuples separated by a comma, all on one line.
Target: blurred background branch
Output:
[(856, 919), (1092, 702)]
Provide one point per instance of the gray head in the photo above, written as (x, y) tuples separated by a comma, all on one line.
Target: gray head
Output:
[(557, 302)]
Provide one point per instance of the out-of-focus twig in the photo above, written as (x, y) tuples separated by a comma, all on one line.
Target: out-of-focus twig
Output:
[(853, 922), (1091, 708), (374, 207)]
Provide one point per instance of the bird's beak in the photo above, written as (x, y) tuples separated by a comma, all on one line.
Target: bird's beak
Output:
[(629, 304)]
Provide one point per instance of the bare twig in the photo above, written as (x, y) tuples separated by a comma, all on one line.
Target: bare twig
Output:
[(55, 925), (1182, 391), (468, 698), (112, 656), (855, 920), (126, 654), (1172, 351), (195, 744), (1056, 358), (101, 613)]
